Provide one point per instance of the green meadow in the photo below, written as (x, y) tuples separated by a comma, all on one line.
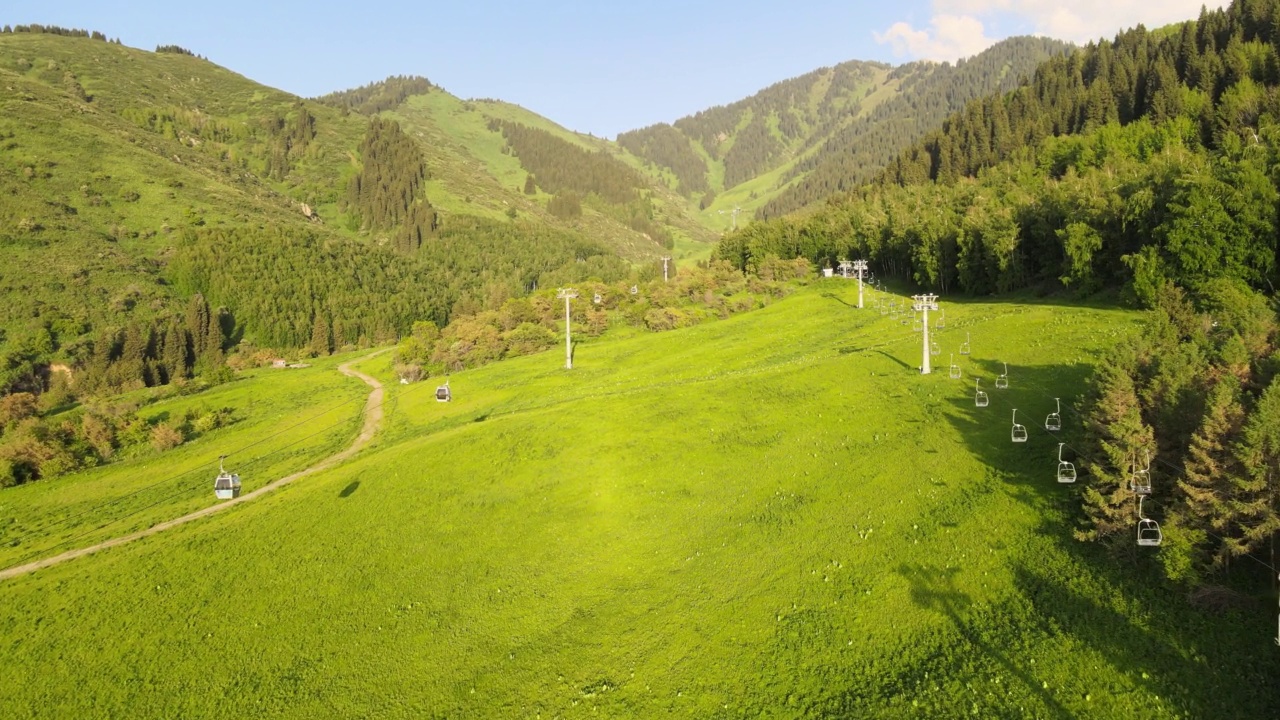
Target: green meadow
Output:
[(773, 515)]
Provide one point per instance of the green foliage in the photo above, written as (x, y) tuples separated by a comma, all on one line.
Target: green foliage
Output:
[(1194, 396), (562, 166), (380, 96)]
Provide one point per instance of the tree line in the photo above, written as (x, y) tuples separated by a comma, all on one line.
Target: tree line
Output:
[(378, 96), (559, 165), (387, 193), (927, 93), (1190, 407)]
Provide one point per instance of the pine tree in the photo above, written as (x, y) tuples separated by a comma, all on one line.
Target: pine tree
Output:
[(198, 324), (1255, 494), (530, 187), (321, 340), (1117, 433), (1212, 463), (174, 359)]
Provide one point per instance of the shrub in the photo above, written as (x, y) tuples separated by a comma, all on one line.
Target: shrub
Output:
[(166, 437)]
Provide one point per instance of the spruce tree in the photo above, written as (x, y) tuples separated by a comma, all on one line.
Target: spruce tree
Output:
[(321, 339)]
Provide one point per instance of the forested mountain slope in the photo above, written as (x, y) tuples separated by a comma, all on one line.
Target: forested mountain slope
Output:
[(115, 163), (800, 140)]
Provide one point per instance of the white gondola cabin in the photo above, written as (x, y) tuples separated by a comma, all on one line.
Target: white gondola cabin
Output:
[(934, 349), (227, 485), (980, 396), (964, 346), (953, 372), (942, 319), (443, 393), (1002, 382)]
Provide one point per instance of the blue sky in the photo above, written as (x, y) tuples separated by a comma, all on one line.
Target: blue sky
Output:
[(599, 67)]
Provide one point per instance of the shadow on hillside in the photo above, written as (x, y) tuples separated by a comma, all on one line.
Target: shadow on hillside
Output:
[(350, 490), (936, 590), (1154, 648)]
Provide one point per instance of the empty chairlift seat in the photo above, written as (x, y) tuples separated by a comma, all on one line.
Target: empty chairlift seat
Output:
[(1019, 433), (1066, 470), (1149, 534), (1053, 422)]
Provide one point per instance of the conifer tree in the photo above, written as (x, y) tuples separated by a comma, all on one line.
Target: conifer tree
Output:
[(321, 339)]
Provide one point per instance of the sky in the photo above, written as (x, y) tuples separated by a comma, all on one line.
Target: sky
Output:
[(596, 66)]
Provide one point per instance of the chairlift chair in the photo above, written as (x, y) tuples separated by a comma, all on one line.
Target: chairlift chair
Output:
[(964, 346), (933, 348), (953, 372), (942, 319), (916, 326), (1140, 479), (634, 289), (227, 485), (1066, 470), (1148, 530), (980, 397), (442, 393), (1002, 382), (1019, 434), (1053, 422)]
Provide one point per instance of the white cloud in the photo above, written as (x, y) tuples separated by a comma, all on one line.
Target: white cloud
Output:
[(957, 27), (949, 37)]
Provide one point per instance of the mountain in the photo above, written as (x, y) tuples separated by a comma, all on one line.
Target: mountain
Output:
[(134, 181), (801, 140)]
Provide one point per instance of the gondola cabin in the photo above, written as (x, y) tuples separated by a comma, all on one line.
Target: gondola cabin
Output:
[(443, 394), (227, 485)]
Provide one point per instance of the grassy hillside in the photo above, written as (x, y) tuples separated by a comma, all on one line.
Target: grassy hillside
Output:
[(801, 140), (773, 515), (112, 158)]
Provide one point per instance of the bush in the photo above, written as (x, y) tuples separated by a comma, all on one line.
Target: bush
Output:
[(166, 437)]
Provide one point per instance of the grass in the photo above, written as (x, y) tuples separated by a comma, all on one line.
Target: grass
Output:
[(285, 420), (767, 516)]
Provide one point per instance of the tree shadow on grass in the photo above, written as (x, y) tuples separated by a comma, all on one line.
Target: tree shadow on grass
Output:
[(350, 490), (1122, 609)]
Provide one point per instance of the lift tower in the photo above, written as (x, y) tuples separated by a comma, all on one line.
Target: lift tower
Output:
[(925, 303)]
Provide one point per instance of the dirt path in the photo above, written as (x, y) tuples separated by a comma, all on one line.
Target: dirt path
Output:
[(372, 420)]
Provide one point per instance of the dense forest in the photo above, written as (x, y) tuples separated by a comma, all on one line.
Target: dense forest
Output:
[(559, 165), (858, 151), (1125, 200), (670, 149), (387, 192), (1187, 417)]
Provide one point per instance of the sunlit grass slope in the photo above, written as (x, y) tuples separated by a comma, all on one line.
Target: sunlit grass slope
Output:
[(282, 421), (768, 516)]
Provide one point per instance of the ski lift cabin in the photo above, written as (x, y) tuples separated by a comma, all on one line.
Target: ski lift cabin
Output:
[(980, 398), (1149, 534), (1140, 479), (1002, 382), (933, 348), (1066, 470), (942, 319), (1053, 422), (953, 372), (1019, 433), (227, 485), (597, 299), (964, 346), (634, 290), (443, 394)]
